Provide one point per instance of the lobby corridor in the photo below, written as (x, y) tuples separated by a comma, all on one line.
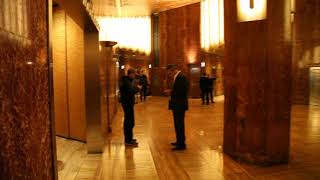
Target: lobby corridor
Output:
[(203, 159)]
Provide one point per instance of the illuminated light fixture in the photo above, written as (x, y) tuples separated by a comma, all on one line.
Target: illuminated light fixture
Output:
[(212, 24), (203, 64), (29, 63), (251, 10), (133, 33), (192, 55), (315, 68), (150, 66), (122, 67)]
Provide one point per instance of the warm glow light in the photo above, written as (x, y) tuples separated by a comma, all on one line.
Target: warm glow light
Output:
[(192, 56), (251, 10), (212, 24), (150, 66), (129, 32), (122, 67), (293, 5), (203, 64), (315, 68)]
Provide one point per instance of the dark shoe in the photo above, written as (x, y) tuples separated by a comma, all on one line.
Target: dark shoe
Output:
[(134, 140), (179, 148), (131, 144), (173, 144)]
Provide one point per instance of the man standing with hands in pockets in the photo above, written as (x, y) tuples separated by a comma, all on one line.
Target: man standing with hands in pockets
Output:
[(178, 103)]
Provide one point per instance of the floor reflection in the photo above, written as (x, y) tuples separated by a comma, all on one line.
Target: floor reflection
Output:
[(203, 159)]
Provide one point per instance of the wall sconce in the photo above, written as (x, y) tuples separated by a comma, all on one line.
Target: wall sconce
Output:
[(251, 10), (122, 67), (203, 64), (150, 66), (212, 24)]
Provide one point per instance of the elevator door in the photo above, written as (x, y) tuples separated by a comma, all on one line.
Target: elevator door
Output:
[(194, 89), (315, 86), (68, 76)]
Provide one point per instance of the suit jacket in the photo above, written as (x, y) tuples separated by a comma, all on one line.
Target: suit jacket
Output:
[(179, 93), (204, 83), (211, 82), (127, 91)]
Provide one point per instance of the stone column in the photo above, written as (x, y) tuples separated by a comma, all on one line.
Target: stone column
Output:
[(257, 72)]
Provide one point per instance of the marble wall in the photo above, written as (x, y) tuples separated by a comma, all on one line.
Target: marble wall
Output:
[(178, 36), (25, 127), (258, 85), (306, 47), (179, 43)]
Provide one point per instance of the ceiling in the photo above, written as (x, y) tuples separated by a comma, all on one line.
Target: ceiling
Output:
[(135, 7)]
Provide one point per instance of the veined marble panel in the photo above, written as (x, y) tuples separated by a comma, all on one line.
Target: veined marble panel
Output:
[(25, 127)]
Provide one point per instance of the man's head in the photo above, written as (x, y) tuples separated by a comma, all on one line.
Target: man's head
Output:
[(172, 69), (131, 73), (204, 74)]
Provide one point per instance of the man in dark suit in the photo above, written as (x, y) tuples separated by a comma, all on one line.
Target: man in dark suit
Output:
[(127, 96), (204, 87), (143, 82), (211, 88), (178, 103)]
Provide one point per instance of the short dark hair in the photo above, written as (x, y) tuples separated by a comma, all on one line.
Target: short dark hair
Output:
[(130, 71), (171, 66)]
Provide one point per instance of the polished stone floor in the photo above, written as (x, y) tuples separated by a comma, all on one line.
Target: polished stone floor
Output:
[(203, 160), (74, 162)]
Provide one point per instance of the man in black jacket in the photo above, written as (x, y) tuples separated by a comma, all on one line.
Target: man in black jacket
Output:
[(143, 82), (211, 88), (204, 87), (178, 103), (127, 96)]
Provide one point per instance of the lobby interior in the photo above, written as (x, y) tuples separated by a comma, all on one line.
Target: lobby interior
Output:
[(61, 62)]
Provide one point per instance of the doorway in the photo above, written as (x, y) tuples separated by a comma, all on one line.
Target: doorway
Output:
[(68, 75), (314, 80)]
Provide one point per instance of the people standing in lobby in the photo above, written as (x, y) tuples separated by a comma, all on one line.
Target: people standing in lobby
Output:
[(204, 87), (127, 96), (143, 83), (211, 81), (136, 84), (178, 103)]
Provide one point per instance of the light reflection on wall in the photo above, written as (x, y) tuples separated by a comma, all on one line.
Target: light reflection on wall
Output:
[(251, 10), (212, 24), (129, 32), (192, 56), (13, 19)]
